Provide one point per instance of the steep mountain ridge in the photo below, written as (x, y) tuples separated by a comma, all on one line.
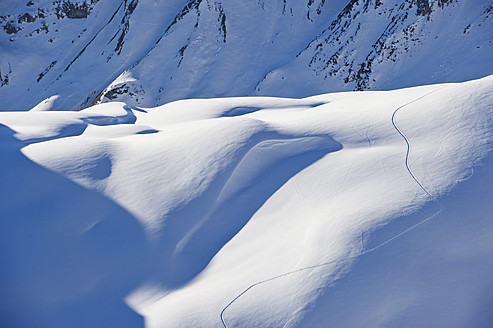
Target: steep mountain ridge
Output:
[(390, 45), (84, 52), (358, 208)]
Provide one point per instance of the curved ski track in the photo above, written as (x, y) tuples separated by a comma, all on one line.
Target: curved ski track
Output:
[(408, 148)]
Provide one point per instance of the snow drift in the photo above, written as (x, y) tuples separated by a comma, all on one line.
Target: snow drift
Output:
[(345, 210)]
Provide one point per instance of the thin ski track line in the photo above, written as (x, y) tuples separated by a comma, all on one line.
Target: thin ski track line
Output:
[(408, 149), (365, 138), (299, 198)]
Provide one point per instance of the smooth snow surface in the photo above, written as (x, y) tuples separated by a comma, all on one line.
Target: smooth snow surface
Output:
[(356, 209)]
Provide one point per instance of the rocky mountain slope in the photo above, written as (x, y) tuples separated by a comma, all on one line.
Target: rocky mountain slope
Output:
[(121, 207), (71, 54)]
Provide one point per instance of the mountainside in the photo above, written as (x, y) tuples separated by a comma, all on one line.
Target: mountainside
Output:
[(213, 163), (71, 54), (355, 209)]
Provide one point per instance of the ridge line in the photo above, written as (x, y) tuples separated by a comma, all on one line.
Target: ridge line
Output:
[(408, 148)]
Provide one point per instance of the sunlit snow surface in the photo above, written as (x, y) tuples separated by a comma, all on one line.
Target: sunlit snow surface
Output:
[(358, 209)]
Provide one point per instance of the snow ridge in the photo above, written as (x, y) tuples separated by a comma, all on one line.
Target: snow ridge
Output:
[(218, 198), (408, 147)]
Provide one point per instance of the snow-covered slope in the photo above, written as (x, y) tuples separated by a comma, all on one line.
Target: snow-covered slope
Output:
[(147, 52), (357, 209)]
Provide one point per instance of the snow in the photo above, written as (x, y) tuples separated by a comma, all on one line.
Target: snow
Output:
[(359, 208), (148, 53)]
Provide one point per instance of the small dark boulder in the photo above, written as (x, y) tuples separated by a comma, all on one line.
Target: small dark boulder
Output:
[(28, 18), (11, 28)]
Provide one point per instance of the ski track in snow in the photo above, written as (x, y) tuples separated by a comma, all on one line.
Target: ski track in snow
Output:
[(408, 149), (299, 198), (366, 138)]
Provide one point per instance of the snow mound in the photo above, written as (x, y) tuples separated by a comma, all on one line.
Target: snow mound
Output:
[(251, 212)]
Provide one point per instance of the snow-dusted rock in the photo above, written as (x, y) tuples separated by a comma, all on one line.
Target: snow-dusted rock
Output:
[(148, 53)]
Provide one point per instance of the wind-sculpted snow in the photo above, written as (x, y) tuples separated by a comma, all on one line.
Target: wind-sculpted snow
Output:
[(348, 208)]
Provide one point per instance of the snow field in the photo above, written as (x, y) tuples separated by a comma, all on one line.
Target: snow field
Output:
[(189, 205)]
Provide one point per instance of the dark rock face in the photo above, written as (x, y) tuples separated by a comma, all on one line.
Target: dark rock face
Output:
[(443, 3), (11, 28), (125, 23), (47, 69), (26, 18), (124, 89), (113, 94), (424, 7), (74, 10), (4, 80), (62, 9)]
